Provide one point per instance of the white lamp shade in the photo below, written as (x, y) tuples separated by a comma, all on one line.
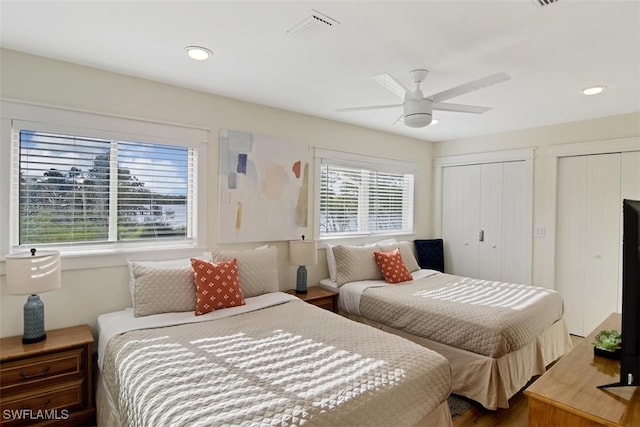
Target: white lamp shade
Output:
[(303, 252), (33, 274)]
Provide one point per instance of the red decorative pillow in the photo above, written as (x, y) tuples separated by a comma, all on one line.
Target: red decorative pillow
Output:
[(392, 266), (217, 285)]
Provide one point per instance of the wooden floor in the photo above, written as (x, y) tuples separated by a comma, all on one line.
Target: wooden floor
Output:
[(516, 416)]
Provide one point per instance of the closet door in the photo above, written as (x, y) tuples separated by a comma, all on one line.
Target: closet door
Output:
[(605, 217), (517, 220), (486, 221), (588, 238), (490, 233), (461, 219)]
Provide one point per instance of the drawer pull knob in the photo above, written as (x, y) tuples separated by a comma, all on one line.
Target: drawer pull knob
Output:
[(27, 375), (44, 405)]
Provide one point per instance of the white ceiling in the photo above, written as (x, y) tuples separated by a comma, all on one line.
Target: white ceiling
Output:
[(550, 52)]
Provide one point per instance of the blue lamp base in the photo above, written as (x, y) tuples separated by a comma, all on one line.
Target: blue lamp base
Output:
[(301, 280), (33, 320)]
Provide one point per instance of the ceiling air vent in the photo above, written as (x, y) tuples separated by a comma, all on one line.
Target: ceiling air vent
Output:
[(543, 3), (312, 25)]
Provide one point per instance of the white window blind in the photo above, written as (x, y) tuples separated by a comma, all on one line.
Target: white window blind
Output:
[(364, 199), (79, 189)]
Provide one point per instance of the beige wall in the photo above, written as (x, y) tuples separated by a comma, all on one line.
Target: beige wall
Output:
[(88, 292), (595, 133)]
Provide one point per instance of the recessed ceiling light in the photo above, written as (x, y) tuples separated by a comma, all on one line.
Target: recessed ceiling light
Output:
[(198, 53), (593, 90)]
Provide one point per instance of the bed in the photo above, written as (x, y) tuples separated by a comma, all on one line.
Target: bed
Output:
[(496, 336), (273, 360)]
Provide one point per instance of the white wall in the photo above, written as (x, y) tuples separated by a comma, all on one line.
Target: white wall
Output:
[(595, 133), (87, 291)]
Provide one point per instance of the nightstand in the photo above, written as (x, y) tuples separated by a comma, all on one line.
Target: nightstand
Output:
[(319, 297), (50, 382)]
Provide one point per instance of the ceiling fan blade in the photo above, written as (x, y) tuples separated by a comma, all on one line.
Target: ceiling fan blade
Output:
[(469, 87), (392, 84), (372, 107), (460, 108), (399, 118)]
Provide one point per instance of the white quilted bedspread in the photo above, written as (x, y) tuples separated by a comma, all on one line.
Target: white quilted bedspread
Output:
[(485, 317), (289, 364)]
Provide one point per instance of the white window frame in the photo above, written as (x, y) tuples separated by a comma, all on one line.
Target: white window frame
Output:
[(362, 161), (18, 115)]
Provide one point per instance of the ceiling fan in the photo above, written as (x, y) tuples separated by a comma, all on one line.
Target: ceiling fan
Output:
[(417, 109)]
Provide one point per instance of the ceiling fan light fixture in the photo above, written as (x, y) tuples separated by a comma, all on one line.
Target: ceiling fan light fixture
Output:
[(198, 53), (417, 120), (417, 109), (594, 90)]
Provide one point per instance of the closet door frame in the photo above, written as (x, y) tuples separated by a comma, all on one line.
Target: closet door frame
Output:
[(555, 152), (525, 155)]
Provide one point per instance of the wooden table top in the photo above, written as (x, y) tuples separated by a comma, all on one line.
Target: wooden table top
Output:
[(571, 384), (57, 339)]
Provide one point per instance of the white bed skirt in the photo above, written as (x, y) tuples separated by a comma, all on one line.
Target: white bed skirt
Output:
[(493, 381), (107, 412)]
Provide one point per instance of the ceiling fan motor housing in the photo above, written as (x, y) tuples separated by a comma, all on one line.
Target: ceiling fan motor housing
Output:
[(418, 112)]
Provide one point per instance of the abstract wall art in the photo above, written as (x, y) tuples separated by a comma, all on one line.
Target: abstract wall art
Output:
[(264, 188)]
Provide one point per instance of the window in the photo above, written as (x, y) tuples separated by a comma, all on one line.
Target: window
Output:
[(100, 188), (78, 189), (364, 197)]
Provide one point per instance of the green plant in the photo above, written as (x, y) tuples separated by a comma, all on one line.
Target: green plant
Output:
[(608, 340)]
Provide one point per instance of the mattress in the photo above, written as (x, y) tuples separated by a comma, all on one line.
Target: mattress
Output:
[(285, 363), (486, 317)]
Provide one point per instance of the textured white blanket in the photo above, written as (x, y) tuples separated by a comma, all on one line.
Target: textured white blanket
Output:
[(485, 317), (289, 364), (118, 322)]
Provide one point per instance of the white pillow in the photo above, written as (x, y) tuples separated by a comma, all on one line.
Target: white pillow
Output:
[(331, 263), (355, 263), (386, 242), (163, 290), (182, 262), (331, 259), (257, 269), (406, 251)]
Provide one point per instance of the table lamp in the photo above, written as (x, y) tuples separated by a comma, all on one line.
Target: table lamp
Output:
[(31, 274), (302, 253)]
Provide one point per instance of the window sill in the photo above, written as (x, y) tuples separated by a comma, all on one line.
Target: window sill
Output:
[(82, 259)]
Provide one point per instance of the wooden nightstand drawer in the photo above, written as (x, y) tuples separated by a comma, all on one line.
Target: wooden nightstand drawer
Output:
[(326, 303), (36, 369), (48, 383), (53, 402), (319, 297)]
